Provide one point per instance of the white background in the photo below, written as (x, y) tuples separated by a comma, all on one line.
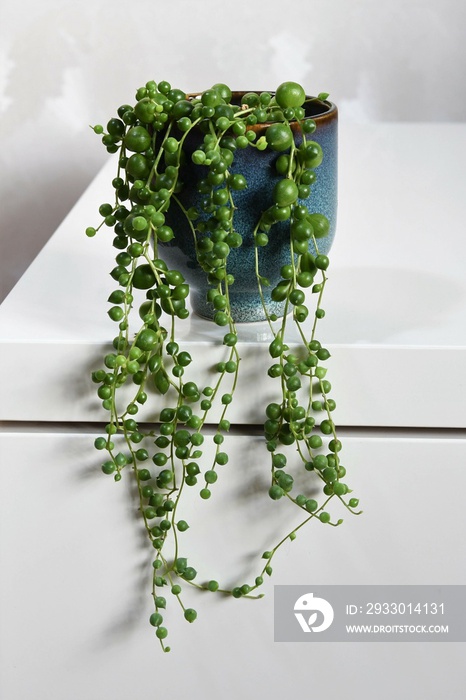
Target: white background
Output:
[(65, 65)]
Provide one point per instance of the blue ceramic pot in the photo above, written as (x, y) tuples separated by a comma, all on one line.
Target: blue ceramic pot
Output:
[(261, 176)]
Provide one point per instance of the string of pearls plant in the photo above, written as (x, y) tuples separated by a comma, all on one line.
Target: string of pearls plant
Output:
[(167, 462)]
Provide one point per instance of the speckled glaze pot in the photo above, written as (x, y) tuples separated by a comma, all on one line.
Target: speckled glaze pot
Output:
[(260, 173)]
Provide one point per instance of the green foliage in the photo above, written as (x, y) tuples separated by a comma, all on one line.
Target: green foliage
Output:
[(149, 138)]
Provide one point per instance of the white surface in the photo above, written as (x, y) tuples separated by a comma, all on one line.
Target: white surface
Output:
[(395, 300), (75, 595)]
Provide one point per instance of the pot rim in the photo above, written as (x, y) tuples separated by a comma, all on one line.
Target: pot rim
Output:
[(328, 109)]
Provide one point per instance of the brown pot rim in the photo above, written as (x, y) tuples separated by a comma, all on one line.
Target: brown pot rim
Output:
[(329, 109)]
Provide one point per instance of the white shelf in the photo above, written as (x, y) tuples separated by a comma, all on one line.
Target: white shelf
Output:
[(75, 600), (395, 300), (76, 597)]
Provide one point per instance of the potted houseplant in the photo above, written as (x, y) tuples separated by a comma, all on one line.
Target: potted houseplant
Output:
[(212, 200)]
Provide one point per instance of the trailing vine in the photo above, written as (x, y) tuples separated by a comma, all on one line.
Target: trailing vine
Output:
[(154, 140)]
